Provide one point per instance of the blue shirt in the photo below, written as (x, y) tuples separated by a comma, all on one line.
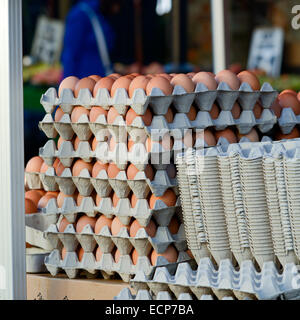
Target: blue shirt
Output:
[(80, 56)]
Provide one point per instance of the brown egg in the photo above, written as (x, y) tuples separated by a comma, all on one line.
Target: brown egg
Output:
[(257, 110), (115, 200), (227, 134), (159, 82), (169, 198), (58, 114), (250, 78), (85, 83), (56, 163), (131, 115), (207, 79), (115, 75), (30, 206), (80, 253), (191, 74), (134, 256), (112, 170), (99, 166), (122, 82), (44, 200), (171, 171), (189, 139), (130, 144), (96, 112), (59, 142), (99, 254), (79, 165), (34, 196), (116, 226), (63, 253), (289, 100), (165, 75), (276, 107), (61, 198), (288, 91), (166, 142), (169, 115), (95, 77), (140, 82), (94, 144), (106, 83), (68, 83), (112, 144), (76, 143), (133, 200), (295, 133), (228, 77), (117, 256), (34, 164), (44, 168), (170, 254), (184, 81), (101, 222), (52, 193), (252, 136), (214, 112), (79, 199), (236, 111), (77, 112), (83, 221), (63, 224), (132, 171), (59, 169), (41, 192), (298, 96), (112, 115), (192, 114), (208, 137), (135, 227), (189, 252), (174, 225)]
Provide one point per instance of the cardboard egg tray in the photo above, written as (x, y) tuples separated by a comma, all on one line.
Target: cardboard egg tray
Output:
[(108, 267), (288, 120), (141, 186), (259, 198), (246, 283), (33, 180), (126, 294), (35, 260), (159, 103)]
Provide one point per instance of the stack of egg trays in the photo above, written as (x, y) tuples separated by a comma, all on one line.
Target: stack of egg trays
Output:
[(222, 282), (281, 235), (182, 101), (288, 120), (88, 240), (126, 294), (191, 207)]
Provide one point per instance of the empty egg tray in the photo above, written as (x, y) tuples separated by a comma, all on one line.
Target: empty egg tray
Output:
[(125, 294), (159, 103), (108, 267), (222, 282)]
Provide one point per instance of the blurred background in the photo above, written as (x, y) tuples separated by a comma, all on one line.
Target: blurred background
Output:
[(150, 36)]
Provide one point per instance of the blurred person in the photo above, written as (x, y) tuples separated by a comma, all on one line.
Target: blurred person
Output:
[(89, 38)]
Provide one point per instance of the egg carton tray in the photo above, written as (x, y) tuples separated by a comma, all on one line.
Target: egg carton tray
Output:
[(288, 120), (142, 242), (224, 282), (142, 213), (125, 294), (35, 260), (106, 266), (159, 103), (36, 224), (250, 151)]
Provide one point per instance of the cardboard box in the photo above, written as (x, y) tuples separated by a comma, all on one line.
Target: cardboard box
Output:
[(45, 287)]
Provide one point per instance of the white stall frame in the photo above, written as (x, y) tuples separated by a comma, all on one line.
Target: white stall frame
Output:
[(12, 218)]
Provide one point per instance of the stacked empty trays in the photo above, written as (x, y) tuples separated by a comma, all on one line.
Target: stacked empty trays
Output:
[(207, 282), (255, 193)]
